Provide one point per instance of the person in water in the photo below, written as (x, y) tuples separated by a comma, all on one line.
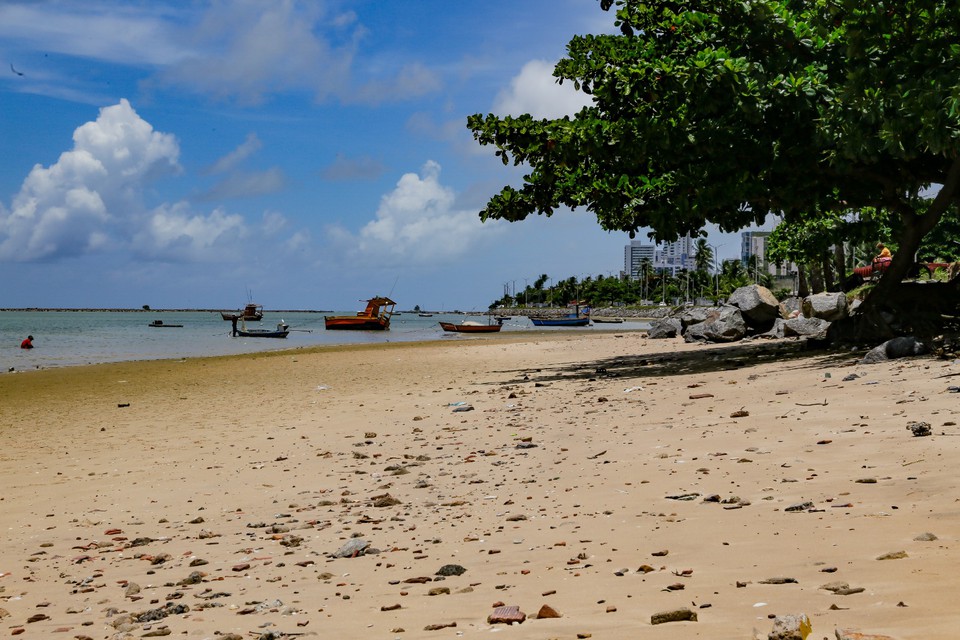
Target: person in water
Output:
[(27, 343)]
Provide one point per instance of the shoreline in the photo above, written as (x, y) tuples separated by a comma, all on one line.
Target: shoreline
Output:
[(230, 480)]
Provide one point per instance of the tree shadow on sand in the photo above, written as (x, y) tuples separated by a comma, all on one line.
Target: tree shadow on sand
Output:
[(706, 360)]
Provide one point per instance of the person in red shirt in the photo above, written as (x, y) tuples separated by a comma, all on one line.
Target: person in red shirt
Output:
[(27, 343)]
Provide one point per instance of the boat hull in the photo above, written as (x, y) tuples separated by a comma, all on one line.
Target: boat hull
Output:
[(353, 323), (470, 328), (560, 322), (261, 333)]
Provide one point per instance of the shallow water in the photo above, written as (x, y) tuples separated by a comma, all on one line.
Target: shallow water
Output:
[(69, 338)]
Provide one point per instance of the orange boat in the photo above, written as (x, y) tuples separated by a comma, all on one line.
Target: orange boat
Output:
[(376, 317)]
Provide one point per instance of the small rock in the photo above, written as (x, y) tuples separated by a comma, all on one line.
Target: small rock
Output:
[(676, 615), (506, 615), (790, 627), (926, 537), (779, 580), (893, 555), (919, 429), (451, 570), (546, 611)]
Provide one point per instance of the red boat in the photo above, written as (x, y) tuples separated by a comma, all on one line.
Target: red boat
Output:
[(471, 327), (376, 317)]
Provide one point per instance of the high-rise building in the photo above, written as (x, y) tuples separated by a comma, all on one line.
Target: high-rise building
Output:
[(633, 256), (678, 255), (670, 257)]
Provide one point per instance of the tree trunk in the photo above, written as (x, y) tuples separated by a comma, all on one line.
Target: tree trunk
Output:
[(840, 263), (816, 278), (803, 289), (827, 269)]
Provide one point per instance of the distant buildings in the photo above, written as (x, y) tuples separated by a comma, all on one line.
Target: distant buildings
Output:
[(669, 257), (753, 253)]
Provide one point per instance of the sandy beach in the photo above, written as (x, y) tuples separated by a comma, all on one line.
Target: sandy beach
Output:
[(609, 477)]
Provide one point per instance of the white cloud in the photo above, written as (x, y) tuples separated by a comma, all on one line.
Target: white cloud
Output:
[(412, 81), (348, 168), (92, 200), (111, 32), (417, 223), (89, 197), (245, 49), (535, 91), (230, 161), (274, 222), (174, 233), (242, 184)]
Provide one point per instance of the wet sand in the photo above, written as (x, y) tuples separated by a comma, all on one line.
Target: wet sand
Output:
[(608, 476)]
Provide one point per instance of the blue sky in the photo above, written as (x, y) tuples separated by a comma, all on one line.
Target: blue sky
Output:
[(313, 153)]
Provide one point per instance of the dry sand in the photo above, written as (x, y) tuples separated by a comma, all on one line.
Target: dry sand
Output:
[(214, 491)]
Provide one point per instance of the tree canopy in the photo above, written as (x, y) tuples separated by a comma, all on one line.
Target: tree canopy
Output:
[(724, 111)]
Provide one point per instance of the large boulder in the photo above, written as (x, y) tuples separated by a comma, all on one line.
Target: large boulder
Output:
[(725, 325), (665, 328), (826, 306), (757, 304), (902, 347), (814, 327), (696, 315)]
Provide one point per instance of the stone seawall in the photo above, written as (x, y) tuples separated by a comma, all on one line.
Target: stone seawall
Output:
[(597, 312)]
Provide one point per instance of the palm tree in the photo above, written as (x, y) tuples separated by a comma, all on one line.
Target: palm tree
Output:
[(704, 256), (645, 265)]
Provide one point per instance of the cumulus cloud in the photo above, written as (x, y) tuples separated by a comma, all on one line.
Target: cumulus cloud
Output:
[(535, 91), (88, 198), (92, 200), (417, 223), (173, 232)]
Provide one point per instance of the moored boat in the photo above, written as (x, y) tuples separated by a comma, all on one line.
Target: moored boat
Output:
[(471, 327), (159, 323), (252, 312), (375, 317), (569, 321), (280, 332)]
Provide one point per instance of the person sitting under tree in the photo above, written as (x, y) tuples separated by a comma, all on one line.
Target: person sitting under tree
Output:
[(883, 258)]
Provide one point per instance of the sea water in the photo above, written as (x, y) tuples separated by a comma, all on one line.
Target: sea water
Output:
[(69, 338)]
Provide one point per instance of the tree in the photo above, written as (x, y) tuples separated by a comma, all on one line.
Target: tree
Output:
[(725, 111), (704, 257)]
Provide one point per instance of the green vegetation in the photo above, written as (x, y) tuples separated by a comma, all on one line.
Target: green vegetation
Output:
[(837, 115), (650, 289)]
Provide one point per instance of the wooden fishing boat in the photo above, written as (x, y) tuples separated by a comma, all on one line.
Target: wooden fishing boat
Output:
[(375, 317), (159, 324), (280, 332), (568, 321), (471, 327), (607, 320), (252, 312)]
